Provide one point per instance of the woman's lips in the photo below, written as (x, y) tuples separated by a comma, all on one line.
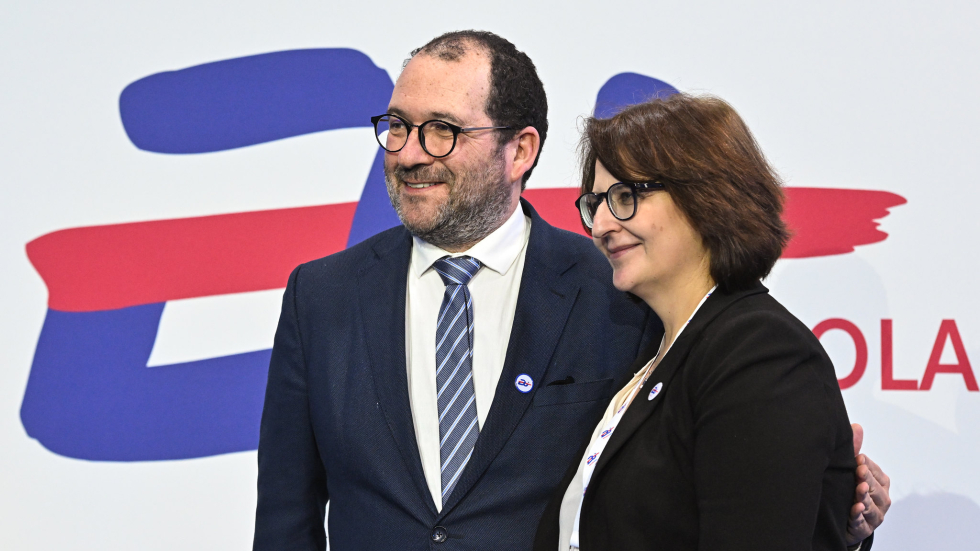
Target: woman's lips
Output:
[(620, 250)]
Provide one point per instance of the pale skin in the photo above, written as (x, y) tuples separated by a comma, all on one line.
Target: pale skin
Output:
[(658, 256), (456, 92), (871, 499)]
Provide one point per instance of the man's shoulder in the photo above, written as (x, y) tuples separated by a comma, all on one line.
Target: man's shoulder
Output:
[(572, 240), (563, 246), (573, 255), (347, 263)]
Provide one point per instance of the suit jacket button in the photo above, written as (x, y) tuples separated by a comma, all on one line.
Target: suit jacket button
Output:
[(439, 534)]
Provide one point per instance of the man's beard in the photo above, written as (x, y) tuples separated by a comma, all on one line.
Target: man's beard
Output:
[(478, 202)]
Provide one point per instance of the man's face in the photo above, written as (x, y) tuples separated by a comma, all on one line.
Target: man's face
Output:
[(454, 201)]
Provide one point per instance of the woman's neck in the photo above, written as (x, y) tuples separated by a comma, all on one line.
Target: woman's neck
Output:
[(674, 304)]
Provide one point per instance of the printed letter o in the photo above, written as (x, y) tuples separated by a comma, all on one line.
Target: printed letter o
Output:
[(860, 348)]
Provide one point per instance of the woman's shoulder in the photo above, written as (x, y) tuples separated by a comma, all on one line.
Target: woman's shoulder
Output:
[(761, 316), (755, 350), (756, 334)]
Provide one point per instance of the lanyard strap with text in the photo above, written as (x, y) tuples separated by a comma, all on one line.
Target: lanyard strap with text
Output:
[(599, 444)]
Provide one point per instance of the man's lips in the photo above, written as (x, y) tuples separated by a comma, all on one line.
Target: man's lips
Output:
[(421, 185)]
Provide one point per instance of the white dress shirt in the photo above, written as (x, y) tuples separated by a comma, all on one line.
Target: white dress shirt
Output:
[(494, 290)]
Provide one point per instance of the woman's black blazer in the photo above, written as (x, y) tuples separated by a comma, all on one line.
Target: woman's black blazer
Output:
[(747, 445)]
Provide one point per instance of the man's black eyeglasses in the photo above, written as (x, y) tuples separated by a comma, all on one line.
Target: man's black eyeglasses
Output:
[(438, 138), (621, 198)]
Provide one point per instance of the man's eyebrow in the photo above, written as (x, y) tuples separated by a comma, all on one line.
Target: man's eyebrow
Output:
[(396, 111), (432, 115), (448, 117)]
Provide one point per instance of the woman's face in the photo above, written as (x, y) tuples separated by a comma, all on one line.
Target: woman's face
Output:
[(655, 250)]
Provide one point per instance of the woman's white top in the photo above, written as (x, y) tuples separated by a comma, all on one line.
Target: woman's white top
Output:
[(571, 505)]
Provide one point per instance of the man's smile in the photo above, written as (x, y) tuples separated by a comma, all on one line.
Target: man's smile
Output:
[(421, 185)]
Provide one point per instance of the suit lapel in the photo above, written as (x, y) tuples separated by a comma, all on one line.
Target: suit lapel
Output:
[(643, 406), (543, 304), (382, 302)]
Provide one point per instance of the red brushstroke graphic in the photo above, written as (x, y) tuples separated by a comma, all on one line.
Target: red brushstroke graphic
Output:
[(115, 266), (827, 221), (823, 221), (108, 267), (557, 206)]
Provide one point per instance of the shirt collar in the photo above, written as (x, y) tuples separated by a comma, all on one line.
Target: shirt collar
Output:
[(497, 251)]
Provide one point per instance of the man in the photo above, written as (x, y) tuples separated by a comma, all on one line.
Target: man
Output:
[(435, 381)]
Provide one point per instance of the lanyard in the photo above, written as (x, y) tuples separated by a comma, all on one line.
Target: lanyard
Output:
[(599, 444)]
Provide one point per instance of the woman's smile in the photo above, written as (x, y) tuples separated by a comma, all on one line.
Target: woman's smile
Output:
[(618, 251)]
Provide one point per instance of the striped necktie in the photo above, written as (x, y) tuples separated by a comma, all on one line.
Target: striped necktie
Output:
[(458, 427)]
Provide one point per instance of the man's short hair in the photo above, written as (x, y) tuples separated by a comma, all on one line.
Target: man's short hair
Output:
[(713, 169), (516, 97)]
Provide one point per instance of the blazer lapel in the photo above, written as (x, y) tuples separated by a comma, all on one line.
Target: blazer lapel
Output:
[(543, 304), (642, 406), (382, 302)]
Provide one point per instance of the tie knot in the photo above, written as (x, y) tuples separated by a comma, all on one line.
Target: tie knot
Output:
[(457, 271)]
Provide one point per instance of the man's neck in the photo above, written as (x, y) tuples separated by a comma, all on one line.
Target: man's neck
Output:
[(461, 248), (497, 251)]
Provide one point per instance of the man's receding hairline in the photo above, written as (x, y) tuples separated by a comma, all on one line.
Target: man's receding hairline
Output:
[(453, 50), (476, 49)]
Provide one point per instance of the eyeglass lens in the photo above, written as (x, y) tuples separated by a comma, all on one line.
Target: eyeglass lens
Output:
[(620, 197), (437, 137)]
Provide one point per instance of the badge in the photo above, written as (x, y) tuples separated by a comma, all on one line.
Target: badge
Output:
[(524, 383), (654, 391)]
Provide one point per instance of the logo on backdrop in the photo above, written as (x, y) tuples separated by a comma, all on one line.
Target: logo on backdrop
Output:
[(90, 394)]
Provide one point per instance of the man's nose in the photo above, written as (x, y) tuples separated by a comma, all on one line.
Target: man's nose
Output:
[(413, 154)]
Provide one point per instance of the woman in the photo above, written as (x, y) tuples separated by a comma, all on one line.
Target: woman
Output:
[(733, 433)]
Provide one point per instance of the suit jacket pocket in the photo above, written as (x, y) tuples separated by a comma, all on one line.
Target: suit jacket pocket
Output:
[(590, 391)]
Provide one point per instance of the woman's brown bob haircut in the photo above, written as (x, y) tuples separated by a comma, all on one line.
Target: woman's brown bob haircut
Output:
[(713, 169)]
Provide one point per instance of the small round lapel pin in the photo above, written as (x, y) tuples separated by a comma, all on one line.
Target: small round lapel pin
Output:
[(654, 391), (524, 383)]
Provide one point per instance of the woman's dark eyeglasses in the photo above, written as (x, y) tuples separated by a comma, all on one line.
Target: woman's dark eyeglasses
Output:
[(438, 138), (621, 198)]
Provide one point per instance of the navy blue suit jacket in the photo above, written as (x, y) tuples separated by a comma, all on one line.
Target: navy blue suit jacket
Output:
[(337, 423)]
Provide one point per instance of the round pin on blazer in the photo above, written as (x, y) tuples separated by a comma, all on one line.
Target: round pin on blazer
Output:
[(654, 391), (524, 383)]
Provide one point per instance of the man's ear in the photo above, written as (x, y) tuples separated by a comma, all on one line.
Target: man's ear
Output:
[(524, 148)]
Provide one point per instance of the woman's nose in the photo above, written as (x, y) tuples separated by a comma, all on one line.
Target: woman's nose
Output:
[(603, 222)]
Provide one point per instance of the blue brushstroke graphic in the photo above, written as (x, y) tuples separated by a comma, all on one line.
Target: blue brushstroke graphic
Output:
[(89, 394), (252, 100), (626, 89), (374, 212)]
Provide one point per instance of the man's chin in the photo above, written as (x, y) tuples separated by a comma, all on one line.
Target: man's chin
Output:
[(419, 219)]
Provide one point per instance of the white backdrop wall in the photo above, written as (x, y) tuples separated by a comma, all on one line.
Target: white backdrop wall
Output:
[(876, 96)]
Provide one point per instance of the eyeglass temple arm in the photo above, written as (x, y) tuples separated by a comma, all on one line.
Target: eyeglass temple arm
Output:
[(473, 128)]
